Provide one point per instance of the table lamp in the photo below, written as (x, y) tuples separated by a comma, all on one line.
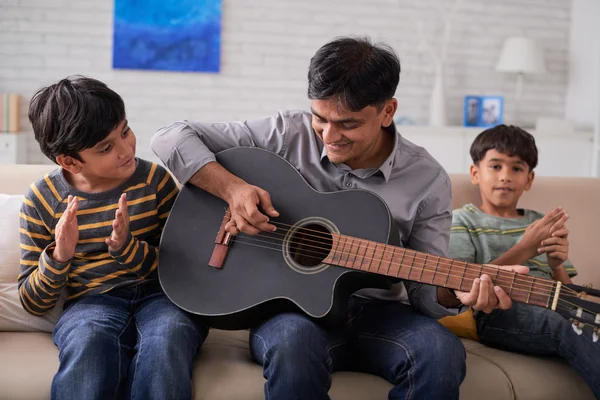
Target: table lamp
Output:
[(522, 56)]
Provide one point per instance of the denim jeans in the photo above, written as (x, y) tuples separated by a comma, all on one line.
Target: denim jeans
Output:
[(420, 357), (539, 331), (128, 343)]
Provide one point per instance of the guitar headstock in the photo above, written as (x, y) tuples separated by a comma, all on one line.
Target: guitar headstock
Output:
[(581, 306)]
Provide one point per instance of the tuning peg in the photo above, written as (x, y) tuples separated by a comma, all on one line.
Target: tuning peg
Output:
[(577, 329), (595, 335)]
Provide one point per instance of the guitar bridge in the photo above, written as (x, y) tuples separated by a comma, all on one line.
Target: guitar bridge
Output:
[(217, 259)]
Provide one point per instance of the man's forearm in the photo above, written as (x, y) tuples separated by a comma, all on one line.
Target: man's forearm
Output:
[(216, 180)]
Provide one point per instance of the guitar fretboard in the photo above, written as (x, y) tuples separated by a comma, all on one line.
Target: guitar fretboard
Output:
[(397, 262)]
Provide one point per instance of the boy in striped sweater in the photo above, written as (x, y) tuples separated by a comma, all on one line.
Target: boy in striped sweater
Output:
[(499, 232), (92, 228)]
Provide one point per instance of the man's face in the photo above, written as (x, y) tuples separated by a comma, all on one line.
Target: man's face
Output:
[(502, 179), (352, 138), (111, 158)]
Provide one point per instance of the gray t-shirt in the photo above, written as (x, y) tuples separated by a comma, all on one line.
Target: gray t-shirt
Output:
[(480, 238)]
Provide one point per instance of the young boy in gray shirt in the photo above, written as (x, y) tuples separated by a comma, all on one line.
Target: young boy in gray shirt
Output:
[(498, 232)]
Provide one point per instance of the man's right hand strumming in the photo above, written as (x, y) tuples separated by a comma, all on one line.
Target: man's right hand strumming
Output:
[(245, 201)]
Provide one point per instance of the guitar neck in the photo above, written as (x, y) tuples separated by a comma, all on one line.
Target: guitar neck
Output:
[(406, 264)]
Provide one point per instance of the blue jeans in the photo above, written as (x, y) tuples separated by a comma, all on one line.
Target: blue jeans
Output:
[(420, 357), (539, 331), (128, 343)]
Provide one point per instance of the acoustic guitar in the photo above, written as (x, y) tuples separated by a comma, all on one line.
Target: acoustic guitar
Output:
[(326, 247)]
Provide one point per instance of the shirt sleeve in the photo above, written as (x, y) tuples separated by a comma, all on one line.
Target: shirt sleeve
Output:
[(569, 268), (166, 194), (139, 256), (41, 278), (186, 146), (430, 234)]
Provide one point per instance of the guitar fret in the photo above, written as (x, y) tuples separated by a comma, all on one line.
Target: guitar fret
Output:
[(411, 265), (381, 258), (512, 284), (462, 276), (334, 253), (530, 290), (348, 252), (351, 256), (391, 261), (448, 274), (423, 268), (357, 259), (437, 264), (340, 252), (402, 260), (371, 257)]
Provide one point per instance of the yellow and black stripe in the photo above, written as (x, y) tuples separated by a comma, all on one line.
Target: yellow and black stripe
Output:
[(151, 192)]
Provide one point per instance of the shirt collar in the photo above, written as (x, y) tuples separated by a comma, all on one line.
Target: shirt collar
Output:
[(386, 166)]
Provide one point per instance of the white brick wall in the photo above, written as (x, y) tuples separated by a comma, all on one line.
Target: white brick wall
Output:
[(266, 47)]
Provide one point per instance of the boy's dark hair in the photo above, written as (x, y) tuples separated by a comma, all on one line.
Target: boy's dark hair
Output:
[(74, 114), (356, 72), (510, 140)]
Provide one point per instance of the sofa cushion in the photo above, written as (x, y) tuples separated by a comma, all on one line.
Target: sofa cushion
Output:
[(224, 370), (12, 315), (534, 377), (29, 362)]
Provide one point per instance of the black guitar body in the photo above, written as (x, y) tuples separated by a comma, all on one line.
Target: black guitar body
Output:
[(263, 275)]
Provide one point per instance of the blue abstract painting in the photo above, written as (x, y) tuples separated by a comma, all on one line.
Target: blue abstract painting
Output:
[(174, 35)]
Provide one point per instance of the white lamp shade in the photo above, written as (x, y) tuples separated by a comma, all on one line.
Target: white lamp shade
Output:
[(522, 55)]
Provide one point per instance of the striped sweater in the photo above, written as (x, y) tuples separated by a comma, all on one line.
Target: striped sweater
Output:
[(479, 238), (150, 192)]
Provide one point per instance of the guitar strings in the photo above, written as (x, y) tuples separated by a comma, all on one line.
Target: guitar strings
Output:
[(419, 257), (517, 287), (441, 261), (565, 304), (416, 256)]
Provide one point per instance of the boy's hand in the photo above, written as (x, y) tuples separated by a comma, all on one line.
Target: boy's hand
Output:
[(542, 229), (66, 232), (556, 248), (120, 226)]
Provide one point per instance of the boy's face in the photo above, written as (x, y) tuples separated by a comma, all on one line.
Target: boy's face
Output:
[(113, 158), (502, 179)]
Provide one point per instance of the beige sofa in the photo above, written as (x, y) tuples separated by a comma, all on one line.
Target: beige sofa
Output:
[(224, 369)]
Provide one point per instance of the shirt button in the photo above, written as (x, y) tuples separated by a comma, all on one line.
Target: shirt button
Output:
[(348, 184)]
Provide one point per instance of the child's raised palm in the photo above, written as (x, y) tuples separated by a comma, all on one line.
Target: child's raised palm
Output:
[(120, 226), (66, 232), (556, 247), (542, 229)]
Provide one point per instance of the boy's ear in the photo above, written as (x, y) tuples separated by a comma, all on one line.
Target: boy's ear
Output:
[(69, 163), (474, 172), (530, 178)]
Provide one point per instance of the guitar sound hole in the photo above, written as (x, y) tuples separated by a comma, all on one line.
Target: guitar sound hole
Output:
[(310, 244)]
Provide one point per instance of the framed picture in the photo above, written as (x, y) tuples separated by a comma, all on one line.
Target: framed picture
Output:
[(172, 35), (484, 111)]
